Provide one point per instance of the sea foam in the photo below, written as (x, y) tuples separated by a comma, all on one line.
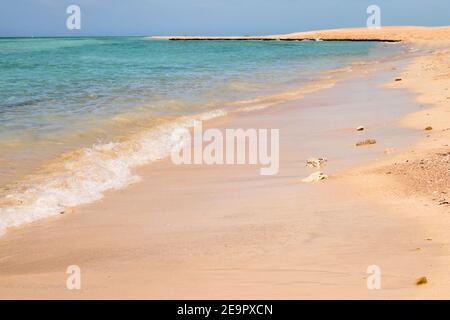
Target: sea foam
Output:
[(85, 177)]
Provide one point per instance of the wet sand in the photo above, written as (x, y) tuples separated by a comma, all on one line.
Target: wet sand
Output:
[(226, 232)]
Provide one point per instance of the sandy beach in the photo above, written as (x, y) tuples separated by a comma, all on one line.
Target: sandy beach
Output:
[(221, 232)]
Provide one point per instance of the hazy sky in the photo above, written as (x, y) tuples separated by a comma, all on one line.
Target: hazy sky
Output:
[(212, 17)]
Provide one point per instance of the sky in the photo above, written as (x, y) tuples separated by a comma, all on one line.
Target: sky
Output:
[(209, 17)]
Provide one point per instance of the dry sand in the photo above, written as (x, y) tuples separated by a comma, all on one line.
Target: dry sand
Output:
[(226, 232)]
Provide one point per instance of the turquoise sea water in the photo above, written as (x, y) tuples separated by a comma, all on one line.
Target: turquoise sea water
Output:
[(51, 86), (100, 106)]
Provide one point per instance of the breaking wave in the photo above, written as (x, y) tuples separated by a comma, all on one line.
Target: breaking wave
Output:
[(83, 176)]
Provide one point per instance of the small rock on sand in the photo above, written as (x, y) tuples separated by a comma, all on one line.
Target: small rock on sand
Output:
[(398, 79), (421, 280), (315, 177), (429, 128), (316, 162), (360, 128), (68, 210), (366, 142)]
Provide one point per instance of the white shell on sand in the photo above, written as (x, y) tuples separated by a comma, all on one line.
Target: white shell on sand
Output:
[(315, 177)]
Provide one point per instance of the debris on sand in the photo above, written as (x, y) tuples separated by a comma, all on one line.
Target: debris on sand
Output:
[(366, 142), (315, 177), (68, 210), (421, 281), (316, 162), (360, 128)]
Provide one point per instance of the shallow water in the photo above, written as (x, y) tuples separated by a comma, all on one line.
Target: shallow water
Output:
[(77, 114)]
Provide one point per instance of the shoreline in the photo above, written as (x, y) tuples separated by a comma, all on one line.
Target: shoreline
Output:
[(20, 195), (384, 34), (274, 39), (250, 244)]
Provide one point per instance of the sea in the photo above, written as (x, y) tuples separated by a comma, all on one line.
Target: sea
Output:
[(77, 115)]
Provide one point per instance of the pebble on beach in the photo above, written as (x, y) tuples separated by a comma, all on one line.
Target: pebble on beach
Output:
[(68, 210), (421, 281), (366, 142)]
